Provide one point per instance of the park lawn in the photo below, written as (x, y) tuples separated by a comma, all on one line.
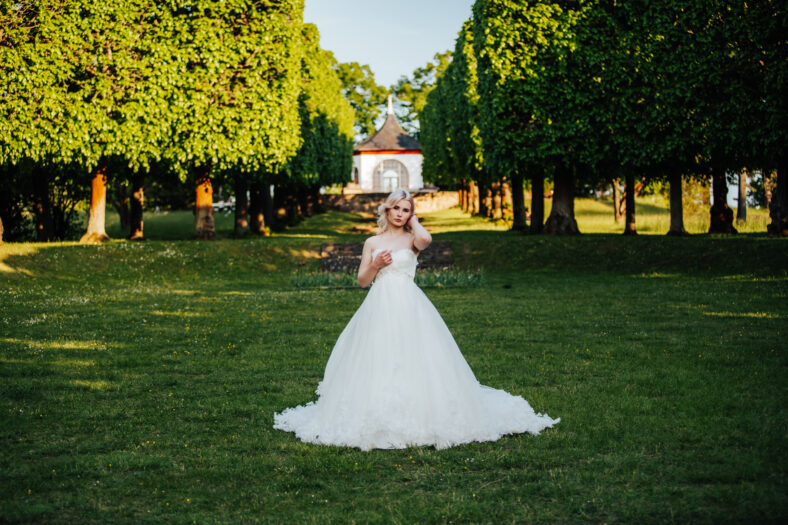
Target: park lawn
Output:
[(139, 381)]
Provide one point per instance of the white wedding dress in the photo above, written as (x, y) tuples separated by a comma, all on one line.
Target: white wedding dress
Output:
[(396, 378)]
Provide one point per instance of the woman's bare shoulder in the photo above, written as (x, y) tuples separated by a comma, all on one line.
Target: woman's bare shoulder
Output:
[(372, 242)]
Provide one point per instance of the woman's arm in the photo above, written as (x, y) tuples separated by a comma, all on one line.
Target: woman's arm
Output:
[(421, 237), (368, 268)]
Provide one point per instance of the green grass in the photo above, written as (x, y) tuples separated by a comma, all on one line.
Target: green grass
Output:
[(424, 279), (139, 381)]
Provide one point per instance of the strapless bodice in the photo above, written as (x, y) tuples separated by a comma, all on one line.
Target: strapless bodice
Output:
[(403, 264)]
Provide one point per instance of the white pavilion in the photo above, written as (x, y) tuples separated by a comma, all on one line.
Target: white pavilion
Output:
[(388, 160)]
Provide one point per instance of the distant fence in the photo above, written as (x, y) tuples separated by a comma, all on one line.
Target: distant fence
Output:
[(368, 202)]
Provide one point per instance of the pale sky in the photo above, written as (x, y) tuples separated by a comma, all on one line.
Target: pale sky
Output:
[(393, 37)]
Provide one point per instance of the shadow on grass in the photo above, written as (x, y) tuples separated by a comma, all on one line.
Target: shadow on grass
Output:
[(269, 261)]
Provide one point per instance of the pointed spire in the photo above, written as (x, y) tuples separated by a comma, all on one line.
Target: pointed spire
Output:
[(391, 106)]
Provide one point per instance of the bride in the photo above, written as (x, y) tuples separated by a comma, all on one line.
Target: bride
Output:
[(396, 378)]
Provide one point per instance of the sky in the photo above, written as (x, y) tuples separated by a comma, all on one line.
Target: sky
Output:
[(393, 37)]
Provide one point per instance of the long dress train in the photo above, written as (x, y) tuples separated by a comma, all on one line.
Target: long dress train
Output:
[(396, 378)]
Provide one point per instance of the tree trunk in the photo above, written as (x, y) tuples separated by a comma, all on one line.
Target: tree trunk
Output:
[(121, 204), (562, 216), (778, 209), (473, 197), (537, 202), (741, 205), (204, 226), (268, 203), (98, 207), (137, 201), (616, 200), (45, 225), (496, 197), (482, 198), (241, 206), (721, 214), (304, 202), (518, 203), (629, 220), (506, 197), (767, 189), (1, 230), (676, 205), (257, 220), (280, 206)]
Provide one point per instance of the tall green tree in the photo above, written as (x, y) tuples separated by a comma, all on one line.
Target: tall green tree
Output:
[(462, 118), (534, 104), (59, 94), (327, 119), (364, 94), (234, 92), (411, 91), (435, 140)]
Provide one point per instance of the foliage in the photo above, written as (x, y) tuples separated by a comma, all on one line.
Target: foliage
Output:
[(364, 94), (233, 84), (435, 141), (411, 92), (608, 89), (325, 156)]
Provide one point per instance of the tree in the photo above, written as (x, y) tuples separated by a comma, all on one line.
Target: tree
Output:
[(411, 92), (461, 114), (327, 119), (364, 94), (233, 86), (534, 105), (55, 111)]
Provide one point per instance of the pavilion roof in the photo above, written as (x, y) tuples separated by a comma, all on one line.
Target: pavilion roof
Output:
[(390, 137)]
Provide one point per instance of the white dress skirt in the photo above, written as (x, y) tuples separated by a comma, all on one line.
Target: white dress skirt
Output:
[(396, 378)]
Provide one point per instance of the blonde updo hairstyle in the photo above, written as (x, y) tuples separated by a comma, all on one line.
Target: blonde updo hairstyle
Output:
[(393, 198)]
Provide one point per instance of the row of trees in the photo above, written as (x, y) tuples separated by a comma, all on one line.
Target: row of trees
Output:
[(587, 93), (236, 91)]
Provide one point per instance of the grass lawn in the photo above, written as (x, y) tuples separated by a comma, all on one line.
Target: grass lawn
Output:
[(139, 380)]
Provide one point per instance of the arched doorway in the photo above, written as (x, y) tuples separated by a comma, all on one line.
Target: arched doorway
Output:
[(389, 175)]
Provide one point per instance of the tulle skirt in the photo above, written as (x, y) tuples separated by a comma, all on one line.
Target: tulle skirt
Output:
[(396, 378)]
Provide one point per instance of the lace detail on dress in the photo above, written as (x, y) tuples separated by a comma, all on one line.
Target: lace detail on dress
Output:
[(403, 264)]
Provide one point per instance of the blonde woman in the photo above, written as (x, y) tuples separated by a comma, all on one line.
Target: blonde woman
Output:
[(396, 378)]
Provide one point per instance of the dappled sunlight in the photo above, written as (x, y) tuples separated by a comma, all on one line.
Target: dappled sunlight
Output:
[(60, 345), (91, 385), (79, 363), (456, 220), (755, 315), (9, 250), (60, 363), (304, 253), (179, 314), (752, 278), (185, 292), (325, 236), (657, 275)]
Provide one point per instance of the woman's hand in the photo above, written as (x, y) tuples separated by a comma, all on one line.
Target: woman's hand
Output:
[(382, 260), (413, 221)]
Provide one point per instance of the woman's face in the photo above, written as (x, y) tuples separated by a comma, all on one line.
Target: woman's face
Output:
[(399, 214)]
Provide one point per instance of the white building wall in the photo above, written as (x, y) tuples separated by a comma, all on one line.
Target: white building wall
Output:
[(366, 167)]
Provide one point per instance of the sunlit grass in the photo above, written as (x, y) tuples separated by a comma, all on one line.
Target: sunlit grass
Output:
[(596, 216), (138, 381), (652, 216)]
